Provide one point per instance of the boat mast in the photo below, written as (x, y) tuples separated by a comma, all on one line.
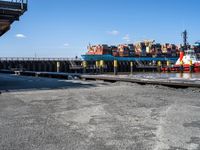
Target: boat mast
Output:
[(185, 42)]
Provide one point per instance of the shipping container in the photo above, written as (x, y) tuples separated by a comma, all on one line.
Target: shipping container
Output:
[(131, 50), (196, 47), (139, 49), (114, 51), (123, 51)]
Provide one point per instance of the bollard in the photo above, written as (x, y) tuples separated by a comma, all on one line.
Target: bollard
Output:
[(84, 66), (181, 66), (191, 75), (58, 66), (159, 66), (181, 74), (101, 66), (115, 67), (168, 66), (97, 66), (191, 67), (131, 64)]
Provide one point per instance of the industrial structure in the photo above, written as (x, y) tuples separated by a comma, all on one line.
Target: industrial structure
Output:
[(69, 65), (141, 56), (188, 59), (10, 11)]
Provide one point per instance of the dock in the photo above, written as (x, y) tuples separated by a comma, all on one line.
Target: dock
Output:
[(41, 64), (172, 82)]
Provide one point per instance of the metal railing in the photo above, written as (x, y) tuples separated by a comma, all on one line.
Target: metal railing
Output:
[(23, 3), (17, 1), (37, 59)]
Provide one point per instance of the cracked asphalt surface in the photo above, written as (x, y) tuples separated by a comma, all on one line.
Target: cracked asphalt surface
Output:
[(51, 114)]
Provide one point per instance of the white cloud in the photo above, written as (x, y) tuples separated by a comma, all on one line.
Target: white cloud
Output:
[(66, 44), (20, 35), (114, 32), (126, 38)]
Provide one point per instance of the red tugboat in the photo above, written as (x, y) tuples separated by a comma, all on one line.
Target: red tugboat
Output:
[(187, 62)]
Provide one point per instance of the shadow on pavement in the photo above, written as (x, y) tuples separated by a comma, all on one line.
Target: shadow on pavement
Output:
[(18, 83)]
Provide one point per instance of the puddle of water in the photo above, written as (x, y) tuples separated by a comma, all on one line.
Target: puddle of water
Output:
[(195, 76)]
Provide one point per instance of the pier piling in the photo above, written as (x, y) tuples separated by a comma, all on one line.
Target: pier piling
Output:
[(115, 67)]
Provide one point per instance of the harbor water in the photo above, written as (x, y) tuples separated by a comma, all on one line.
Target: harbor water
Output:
[(189, 76)]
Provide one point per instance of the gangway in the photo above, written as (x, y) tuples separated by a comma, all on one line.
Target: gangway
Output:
[(74, 65), (139, 63)]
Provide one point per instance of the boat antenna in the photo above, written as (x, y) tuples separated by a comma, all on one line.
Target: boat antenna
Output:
[(185, 41)]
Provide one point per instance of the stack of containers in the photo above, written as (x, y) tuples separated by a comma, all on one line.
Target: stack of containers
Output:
[(197, 48), (140, 49), (131, 50), (137, 50), (91, 50), (153, 50), (123, 50), (165, 49), (174, 49), (99, 50), (169, 50), (143, 48), (114, 51), (158, 51), (149, 45), (102, 50)]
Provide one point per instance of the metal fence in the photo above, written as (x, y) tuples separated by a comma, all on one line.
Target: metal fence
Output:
[(37, 59), (17, 1), (23, 3)]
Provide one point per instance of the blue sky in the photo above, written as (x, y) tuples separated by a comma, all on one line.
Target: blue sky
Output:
[(64, 28)]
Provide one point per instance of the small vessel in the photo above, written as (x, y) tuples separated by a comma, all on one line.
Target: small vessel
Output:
[(187, 57), (187, 62)]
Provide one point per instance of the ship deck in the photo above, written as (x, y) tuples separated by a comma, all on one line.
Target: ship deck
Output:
[(112, 58)]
